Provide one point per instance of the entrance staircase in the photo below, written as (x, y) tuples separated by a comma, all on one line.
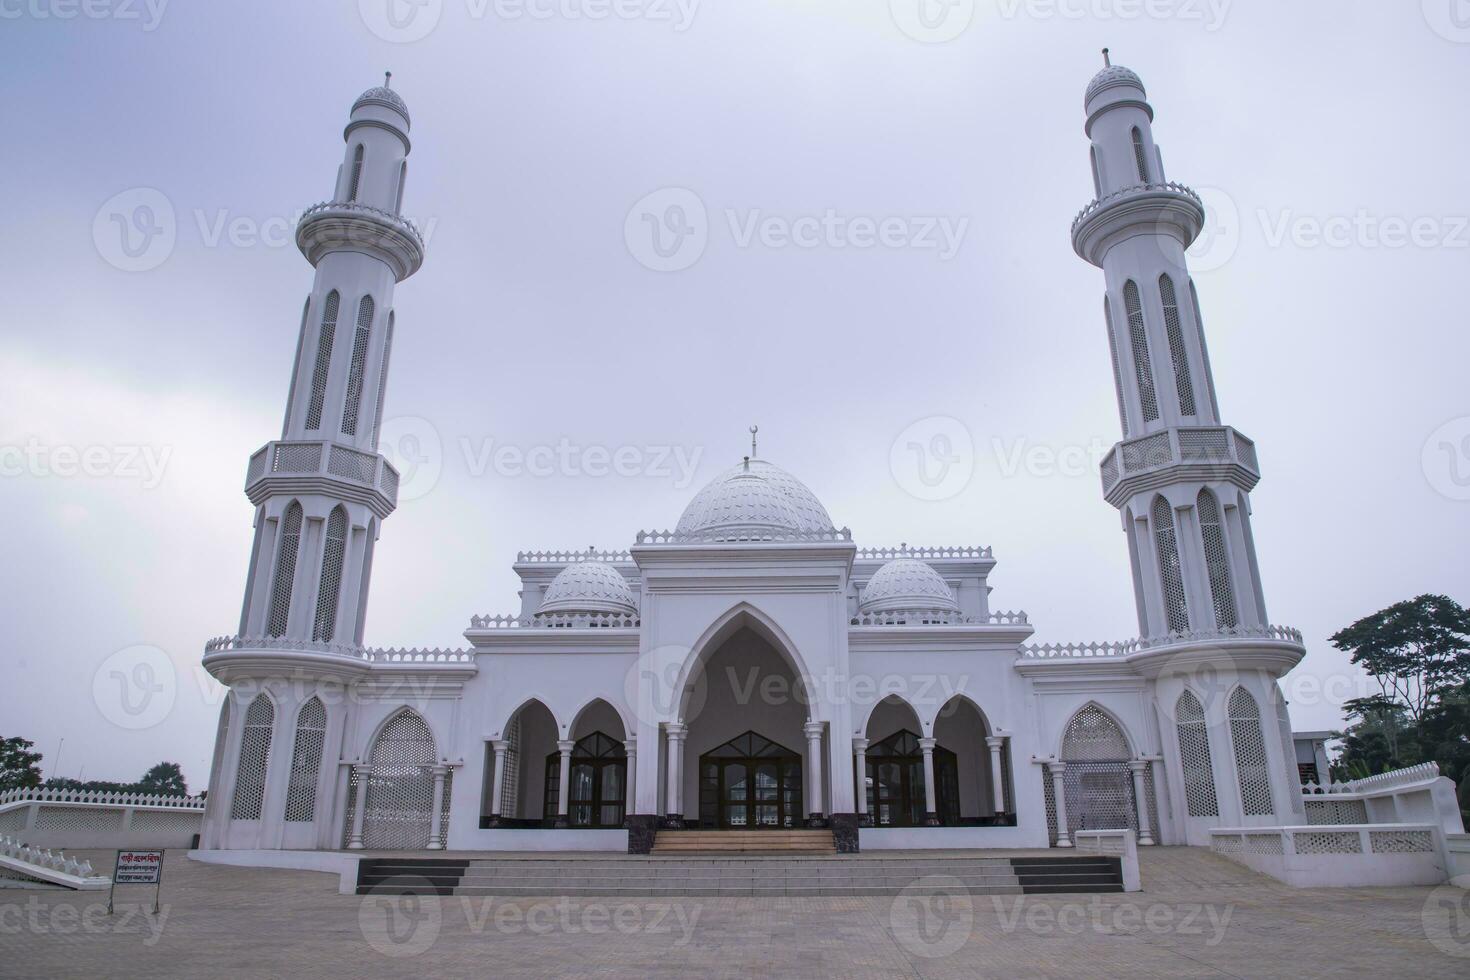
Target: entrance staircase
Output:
[(744, 842)]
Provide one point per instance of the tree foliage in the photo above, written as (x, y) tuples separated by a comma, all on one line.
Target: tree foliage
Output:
[(166, 778), (20, 768)]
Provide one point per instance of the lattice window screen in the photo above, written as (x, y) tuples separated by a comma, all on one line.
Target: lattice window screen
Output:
[(1171, 574), (1178, 353), (1250, 754), (323, 367), (1194, 757), (510, 791), (1140, 155), (331, 578), (1217, 560), (285, 577), (357, 366), (400, 793), (1097, 781), (1092, 736), (1142, 366), (383, 382), (352, 188), (255, 752), (1117, 370), (306, 761)]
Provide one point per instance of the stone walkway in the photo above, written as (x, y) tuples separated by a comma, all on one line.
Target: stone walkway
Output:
[(1200, 916)]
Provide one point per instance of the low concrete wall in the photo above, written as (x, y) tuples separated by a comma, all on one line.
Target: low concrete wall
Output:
[(100, 821), (329, 862), (940, 838), (537, 839), (1341, 856)]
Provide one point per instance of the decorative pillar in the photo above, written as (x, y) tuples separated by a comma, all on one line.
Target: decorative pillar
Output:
[(436, 816), (997, 774), (564, 783), (674, 777), (359, 805), (1140, 800), (1059, 794), (630, 779), (931, 808), (497, 789), (816, 812), (860, 766)]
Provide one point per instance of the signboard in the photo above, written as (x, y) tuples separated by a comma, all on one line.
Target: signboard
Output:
[(138, 867)]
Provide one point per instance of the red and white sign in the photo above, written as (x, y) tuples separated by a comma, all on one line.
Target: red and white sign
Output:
[(138, 868)]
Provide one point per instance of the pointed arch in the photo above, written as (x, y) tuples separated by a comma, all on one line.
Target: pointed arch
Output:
[(1143, 369), (399, 798), (1140, 155), (1178, 353), (1251, 768), (356, 181), (352, 406), (334, 552), (1098, 780), (1171, 574), (629, 727), (1217, 559), (1194, 756), (284, 579), (322, 369), (306, 761), (1095, 734), (520, 755), (742, 615), (893, 703), (255, 753)]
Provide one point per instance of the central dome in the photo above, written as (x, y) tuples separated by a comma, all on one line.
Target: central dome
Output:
[(754, 499), (588, 588)]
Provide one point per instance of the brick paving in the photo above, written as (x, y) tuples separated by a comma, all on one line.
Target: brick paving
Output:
[(1199, 916)]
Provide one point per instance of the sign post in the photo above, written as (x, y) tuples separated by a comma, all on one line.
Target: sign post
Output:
[(137, 868)]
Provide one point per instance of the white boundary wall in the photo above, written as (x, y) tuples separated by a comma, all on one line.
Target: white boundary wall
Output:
[(1341, 855), (80, 819)]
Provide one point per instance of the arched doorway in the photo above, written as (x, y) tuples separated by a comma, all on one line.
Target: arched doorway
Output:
[(399, 801), (1098, 781), (962, 728), (896, 793), (518, 798), (750, 783), (596, 790)]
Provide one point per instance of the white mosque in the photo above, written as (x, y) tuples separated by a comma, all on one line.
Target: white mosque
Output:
[(754, 669)]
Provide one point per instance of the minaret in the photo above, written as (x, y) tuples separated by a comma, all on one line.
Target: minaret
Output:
[(321, 491), (1180, 479)]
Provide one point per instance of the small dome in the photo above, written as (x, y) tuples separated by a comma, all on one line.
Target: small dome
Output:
[(588, 588), (754, 499), (908, 585), (1113, 76), (384, 96)]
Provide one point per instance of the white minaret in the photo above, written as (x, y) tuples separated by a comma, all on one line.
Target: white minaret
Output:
[(1179, 477), (322, 491)]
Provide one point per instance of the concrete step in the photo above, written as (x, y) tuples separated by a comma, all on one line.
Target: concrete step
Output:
[(728, 891)]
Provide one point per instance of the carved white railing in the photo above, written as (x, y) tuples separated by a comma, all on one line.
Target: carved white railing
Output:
[(46, 865), (1056, 651), (1194, 444), (99, 798), (1339, 855), (741, 537), (1417, 792), (417, 656), (1398, 778), (91, 818), (349, 651), (323, 458), (938, 618), (570, 557), (352, 207), (1136, 189), (924, 554), (550, 621)]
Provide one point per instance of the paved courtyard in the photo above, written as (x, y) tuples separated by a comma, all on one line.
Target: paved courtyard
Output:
[(1199, 916)]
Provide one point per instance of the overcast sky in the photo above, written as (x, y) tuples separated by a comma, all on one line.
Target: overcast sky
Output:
[(1329, 138)]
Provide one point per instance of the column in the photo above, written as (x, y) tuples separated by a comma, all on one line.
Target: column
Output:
[(497, 789), (630, 778), (436, 816), (1059, 794), (931, 808), (816, 813), (564, 783), (674, 777), (1140, 800), (359, 806), (860, 766), (997, 773)]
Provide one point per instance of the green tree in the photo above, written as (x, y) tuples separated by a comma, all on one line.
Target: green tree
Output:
[(20, 768), (165, 778)]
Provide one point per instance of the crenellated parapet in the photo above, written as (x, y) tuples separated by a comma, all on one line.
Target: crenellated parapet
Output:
[(340, 226)]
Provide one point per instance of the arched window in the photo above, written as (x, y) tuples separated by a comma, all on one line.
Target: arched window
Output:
[(383, 381), (1117, 371), (357, 365), (1142, 366), (1217, 559), (1194, 757), (596, 787), (402, 179), (398, 798), (1140, 154), (255, 753), (1178, 353), (331, 578), (306, 761), (323, 368), (357, 173), (285, 577), (1176, 607), (1250, 754)]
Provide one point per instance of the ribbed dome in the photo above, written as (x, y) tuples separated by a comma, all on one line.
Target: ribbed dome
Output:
[(754, 499), (588, 587), (1113, 76), (909, 585), (383, 96)]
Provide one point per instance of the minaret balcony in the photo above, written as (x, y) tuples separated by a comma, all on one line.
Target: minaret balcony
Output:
[(1179, 455), (323, 467), (1163, 209), (334, 226)]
